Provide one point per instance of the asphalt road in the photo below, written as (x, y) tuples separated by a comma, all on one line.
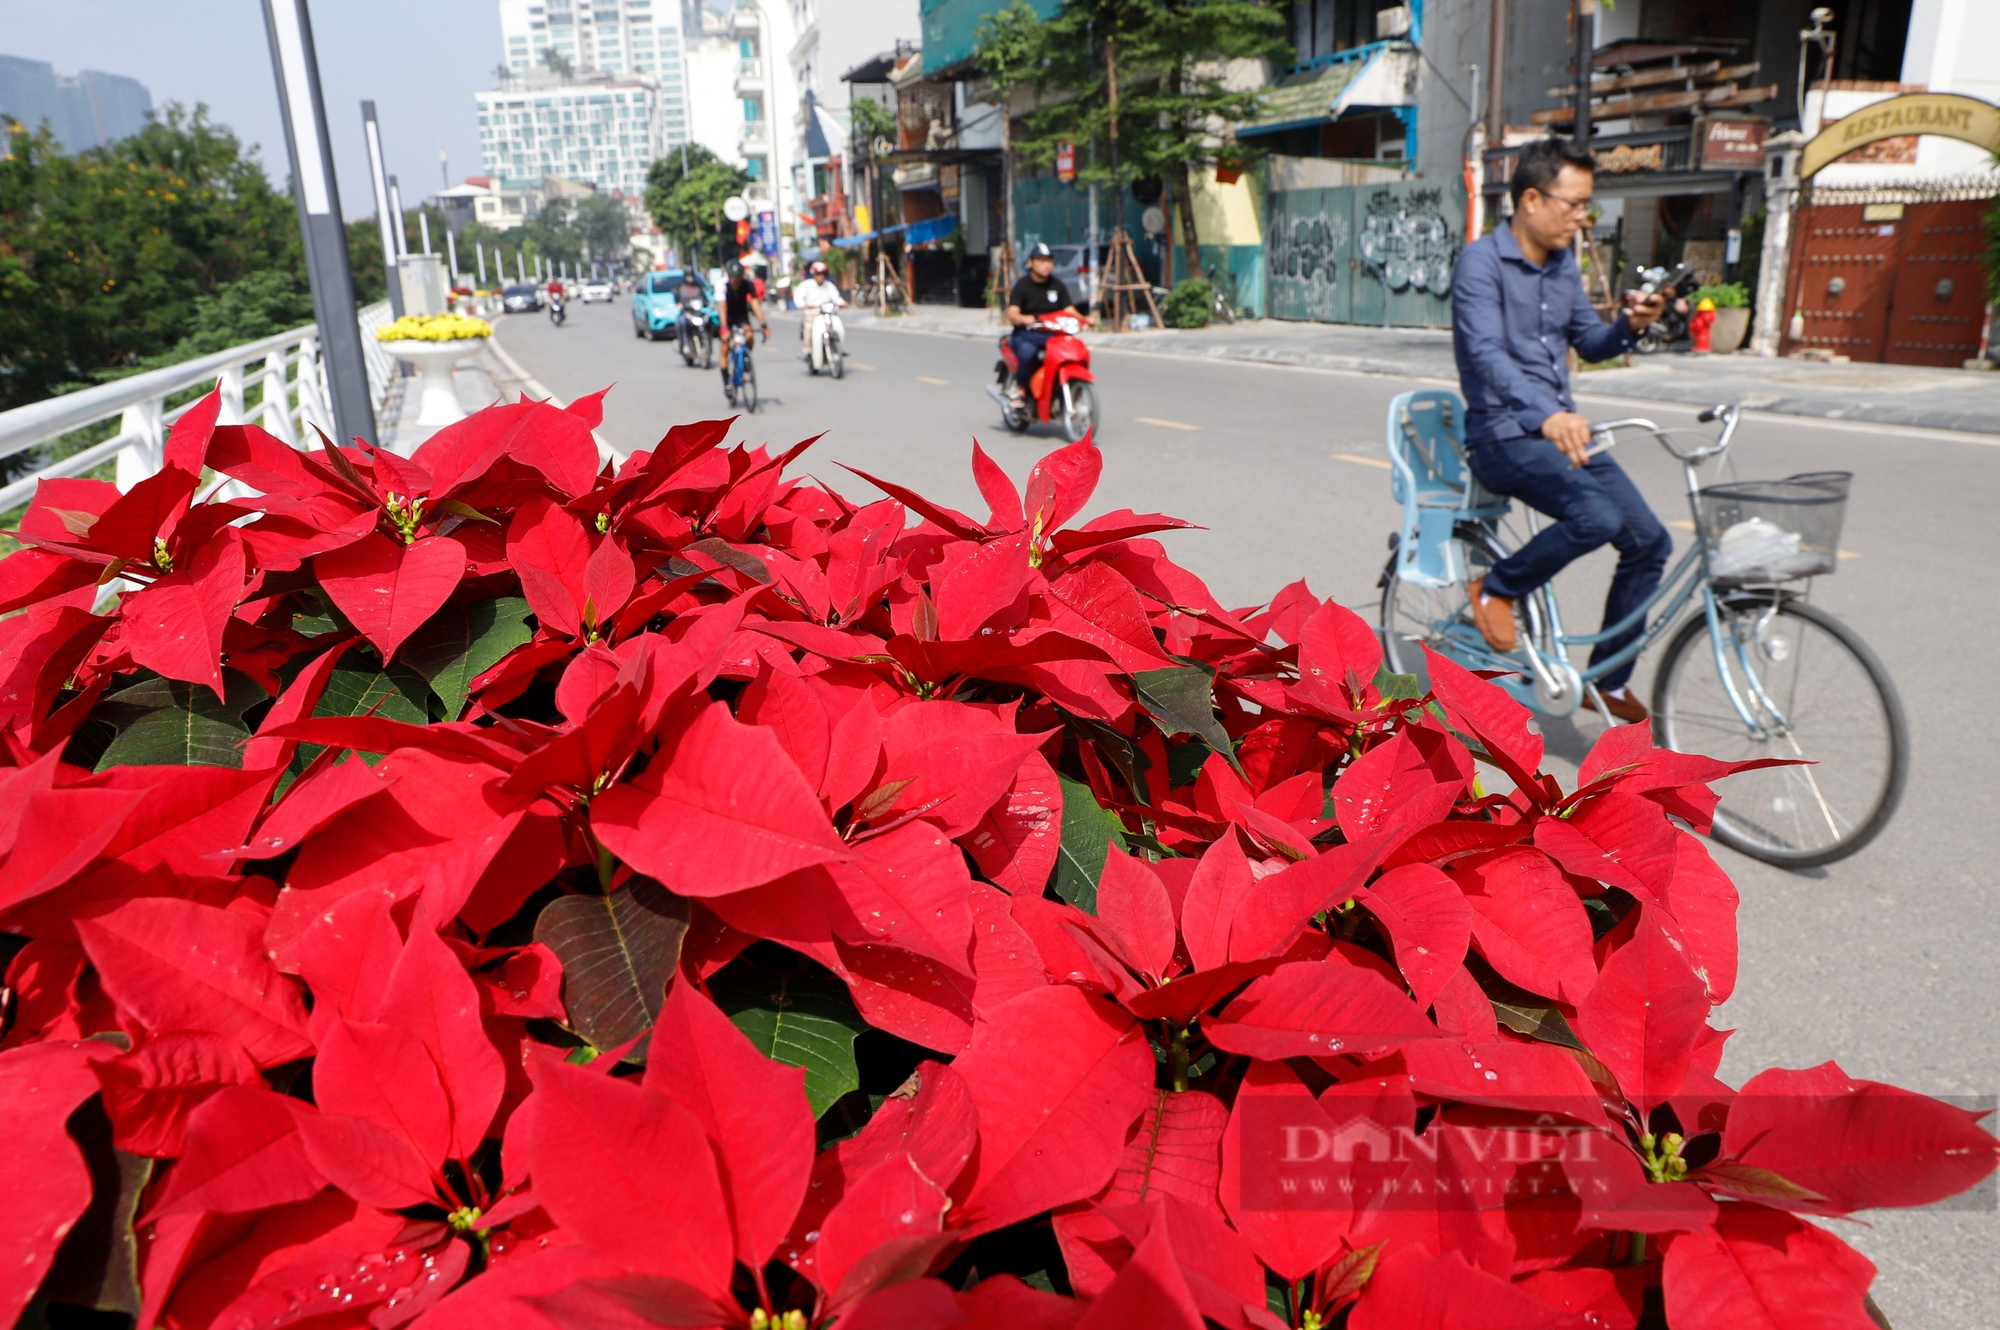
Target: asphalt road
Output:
[(1885, 962)]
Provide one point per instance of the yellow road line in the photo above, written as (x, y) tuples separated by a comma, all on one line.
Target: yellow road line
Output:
[(858, 365), (1165, 424), (1378, 463), (925, 378)]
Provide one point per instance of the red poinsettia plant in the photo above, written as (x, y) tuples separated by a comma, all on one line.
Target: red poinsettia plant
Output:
[(489, 888)]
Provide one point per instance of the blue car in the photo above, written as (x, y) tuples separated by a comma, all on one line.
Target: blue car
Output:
[(656, 306)]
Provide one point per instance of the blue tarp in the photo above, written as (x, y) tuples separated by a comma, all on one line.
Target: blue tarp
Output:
[(914, 233)]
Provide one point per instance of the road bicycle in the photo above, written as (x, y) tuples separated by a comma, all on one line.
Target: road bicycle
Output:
[(1753, 669), (739, 382)]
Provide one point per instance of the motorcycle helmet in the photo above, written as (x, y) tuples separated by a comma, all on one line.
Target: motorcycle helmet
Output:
[(734, 269), (817, 269)]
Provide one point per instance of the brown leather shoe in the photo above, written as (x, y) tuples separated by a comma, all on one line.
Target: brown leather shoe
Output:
[(1624, 707), (1494, 617)]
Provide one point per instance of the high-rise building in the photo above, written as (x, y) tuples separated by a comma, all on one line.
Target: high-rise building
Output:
[(630, 39), (597, 128), (82, 110)]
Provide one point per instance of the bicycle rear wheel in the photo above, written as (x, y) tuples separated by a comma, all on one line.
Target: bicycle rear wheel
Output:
[(1413, 617), (1840, 711)]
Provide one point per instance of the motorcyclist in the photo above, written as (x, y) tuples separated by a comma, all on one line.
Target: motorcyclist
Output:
[(740, 309), (690, 296), (1038, 295), (808, 296)]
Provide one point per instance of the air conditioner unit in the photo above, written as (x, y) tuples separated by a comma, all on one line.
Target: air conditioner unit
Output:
[(1392, 23)]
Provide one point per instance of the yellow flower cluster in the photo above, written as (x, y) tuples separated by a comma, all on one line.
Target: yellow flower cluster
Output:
[(434, 328)]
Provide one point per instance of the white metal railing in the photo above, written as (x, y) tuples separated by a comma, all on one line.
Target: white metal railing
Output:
[(287, 367)]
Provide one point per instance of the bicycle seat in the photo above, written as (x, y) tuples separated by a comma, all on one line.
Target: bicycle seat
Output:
[(1425, 436)]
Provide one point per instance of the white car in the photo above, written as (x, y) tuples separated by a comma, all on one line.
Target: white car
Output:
[(594, 291)]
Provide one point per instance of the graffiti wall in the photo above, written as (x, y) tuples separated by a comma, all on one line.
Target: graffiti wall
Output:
[(1380, 254)]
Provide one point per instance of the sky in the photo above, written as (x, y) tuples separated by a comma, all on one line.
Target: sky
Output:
[(420, 61)]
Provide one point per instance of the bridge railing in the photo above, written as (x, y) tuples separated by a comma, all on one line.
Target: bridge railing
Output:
[(286, 369)]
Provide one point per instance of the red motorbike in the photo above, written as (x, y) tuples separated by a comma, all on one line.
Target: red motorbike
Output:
[(1061, 391)]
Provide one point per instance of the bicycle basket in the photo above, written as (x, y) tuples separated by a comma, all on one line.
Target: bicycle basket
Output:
[(1774, 530)]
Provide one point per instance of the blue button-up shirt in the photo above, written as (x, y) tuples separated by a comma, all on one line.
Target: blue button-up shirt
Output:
[(1512, 324)]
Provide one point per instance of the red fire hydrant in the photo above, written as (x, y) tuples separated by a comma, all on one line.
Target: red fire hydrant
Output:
[(1701, 325)]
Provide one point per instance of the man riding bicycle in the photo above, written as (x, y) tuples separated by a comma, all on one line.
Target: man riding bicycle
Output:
[(809, 296), (1038, 295), (740, 307), (1518, 306)]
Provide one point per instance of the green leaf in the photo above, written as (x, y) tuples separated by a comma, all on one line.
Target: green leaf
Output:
[(617, 953), (1521, 1011), (97, 1265), (801, 1020), (355, 689), (1089, 830), (1392, 685), (1180, 700), (461, 642), (166, 722)]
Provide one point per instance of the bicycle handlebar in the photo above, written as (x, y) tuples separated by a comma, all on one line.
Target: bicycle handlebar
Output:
[(1728, 415)]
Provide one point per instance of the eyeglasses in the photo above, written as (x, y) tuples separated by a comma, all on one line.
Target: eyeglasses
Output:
[(1579, 206)]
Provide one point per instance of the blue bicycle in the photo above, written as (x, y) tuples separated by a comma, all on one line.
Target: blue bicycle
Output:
[(1754, 669), (739, 374)]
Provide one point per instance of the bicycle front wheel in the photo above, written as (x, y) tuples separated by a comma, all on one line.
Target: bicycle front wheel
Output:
[(746, 388), (1819, 694)]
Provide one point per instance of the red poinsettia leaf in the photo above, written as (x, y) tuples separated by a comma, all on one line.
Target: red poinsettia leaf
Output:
[(1429, 924), (384, 1074), (1414, 1290), (175, 626), (1318, 1009), (1003, 1302), (1018, 839), (1060, 484), (630, 1172), (1647, 1013), (1541, 1078), (180, 965), (1293, 1227), (387, 590), (1188, 995), (430, 995), (1151, 1291), (1530, 923), (1339, 654), (1484, 711), (61, 833), (42, 1172), (366, 1160), (1859, 1144), (888, 1204), (1758, 1269), (150, 1090), (243, 1154), (752, 1108), (1213, 893), (1057, 1136), (1612, 1185), (1132, 902), (998, 491), (1174, 1149), (725, 811)]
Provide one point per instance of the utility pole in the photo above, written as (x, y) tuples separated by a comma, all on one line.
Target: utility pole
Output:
[(444, 167), (1584, 12), (288, 25), (1496, 79), (373, 131)]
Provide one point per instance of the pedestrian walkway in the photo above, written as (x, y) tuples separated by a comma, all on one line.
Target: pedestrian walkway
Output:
[(1944, 399)]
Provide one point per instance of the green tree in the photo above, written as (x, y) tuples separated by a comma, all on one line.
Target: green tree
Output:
[(1010, 55), (604, 225), (684, 196), (1144, 82), (554, 232), (104, 254)]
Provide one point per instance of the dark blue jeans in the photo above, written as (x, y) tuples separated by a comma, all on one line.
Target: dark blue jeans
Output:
[(1592, 505), (1027, 344)]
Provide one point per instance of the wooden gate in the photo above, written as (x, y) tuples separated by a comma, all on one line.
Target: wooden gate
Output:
[(1882, 279)]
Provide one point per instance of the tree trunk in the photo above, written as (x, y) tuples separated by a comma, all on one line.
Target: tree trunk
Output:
[(1007, 170), (1184, 198)]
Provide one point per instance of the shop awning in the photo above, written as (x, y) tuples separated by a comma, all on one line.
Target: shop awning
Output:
[(913, 233), (1376, 75)]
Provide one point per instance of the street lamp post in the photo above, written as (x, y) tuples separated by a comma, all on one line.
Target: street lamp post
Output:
[(387, 223), (288, 24)]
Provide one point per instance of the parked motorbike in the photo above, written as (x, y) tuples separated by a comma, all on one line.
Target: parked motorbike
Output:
[(1676, 284), (557, 313), (825, 353), (1062, 389)]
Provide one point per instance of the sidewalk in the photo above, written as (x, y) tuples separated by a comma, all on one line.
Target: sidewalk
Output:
[(1945, 399)]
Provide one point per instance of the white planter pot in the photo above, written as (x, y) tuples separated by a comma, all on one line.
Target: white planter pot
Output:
[(438, 404)]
